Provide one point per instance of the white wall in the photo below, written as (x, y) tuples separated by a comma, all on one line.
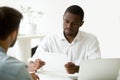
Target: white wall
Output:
[(102, 18)]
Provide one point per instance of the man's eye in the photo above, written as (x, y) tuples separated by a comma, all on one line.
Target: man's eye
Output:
[(66, 21), (75, 24)]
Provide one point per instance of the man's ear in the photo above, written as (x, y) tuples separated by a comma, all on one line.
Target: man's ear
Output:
[(81, 23), (14, 34)]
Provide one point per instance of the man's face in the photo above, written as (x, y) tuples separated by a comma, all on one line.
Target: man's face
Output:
[(71, 24)]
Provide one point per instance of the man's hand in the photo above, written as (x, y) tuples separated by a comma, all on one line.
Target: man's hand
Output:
[(71, 68), (34, 76), (34, 66)]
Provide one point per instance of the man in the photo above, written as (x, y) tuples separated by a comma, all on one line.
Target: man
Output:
[(11, 68), (77, 45)]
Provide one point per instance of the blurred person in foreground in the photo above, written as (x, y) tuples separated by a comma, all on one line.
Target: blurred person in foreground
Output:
[(11, 68)]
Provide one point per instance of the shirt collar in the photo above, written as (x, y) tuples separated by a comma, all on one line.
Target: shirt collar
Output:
[(62, 37), (2, 50), (78, 36)]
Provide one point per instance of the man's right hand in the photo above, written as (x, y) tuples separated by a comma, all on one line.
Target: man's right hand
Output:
[(33, 66), (34, 76)]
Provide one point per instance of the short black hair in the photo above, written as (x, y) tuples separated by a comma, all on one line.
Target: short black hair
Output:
[(9, 21), (77, 10)]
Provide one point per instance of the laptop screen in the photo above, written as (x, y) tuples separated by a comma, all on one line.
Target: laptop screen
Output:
[(99, 69)]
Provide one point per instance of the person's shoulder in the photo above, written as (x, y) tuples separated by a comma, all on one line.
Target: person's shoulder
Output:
[(11, 65), (12, 60), (13, 69), (87, 35)]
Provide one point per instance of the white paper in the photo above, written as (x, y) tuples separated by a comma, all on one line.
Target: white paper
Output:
[(54, 62)]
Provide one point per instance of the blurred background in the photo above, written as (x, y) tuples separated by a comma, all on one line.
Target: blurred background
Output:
[(41, 17)]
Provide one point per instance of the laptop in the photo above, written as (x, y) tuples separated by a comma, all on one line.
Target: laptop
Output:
[(99, 69)]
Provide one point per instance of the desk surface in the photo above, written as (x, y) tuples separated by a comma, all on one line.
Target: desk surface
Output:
[(56, 76)]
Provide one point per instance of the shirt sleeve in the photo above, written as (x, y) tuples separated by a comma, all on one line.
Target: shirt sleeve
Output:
[(94, 49), (23, 74), (42, 49)]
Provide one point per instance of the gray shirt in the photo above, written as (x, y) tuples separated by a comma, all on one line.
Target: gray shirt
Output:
[(11, 68)]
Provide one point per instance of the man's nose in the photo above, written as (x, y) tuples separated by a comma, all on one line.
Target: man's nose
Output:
[(69, 25)]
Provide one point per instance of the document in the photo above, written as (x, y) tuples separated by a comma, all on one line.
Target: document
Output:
[(54, 62), (54, 68)]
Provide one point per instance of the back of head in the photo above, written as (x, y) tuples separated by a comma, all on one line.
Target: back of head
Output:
[(77, 10), (9, 21)]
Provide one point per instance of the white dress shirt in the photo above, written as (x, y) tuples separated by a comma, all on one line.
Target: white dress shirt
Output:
[(84, 46)]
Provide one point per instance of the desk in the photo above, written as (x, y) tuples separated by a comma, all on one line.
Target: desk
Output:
[(56, 76)]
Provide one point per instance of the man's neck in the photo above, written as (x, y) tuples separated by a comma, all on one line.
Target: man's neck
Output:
[(70, 38), (4, 45)]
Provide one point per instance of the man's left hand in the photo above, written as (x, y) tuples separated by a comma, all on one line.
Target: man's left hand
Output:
[(71, 68)]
